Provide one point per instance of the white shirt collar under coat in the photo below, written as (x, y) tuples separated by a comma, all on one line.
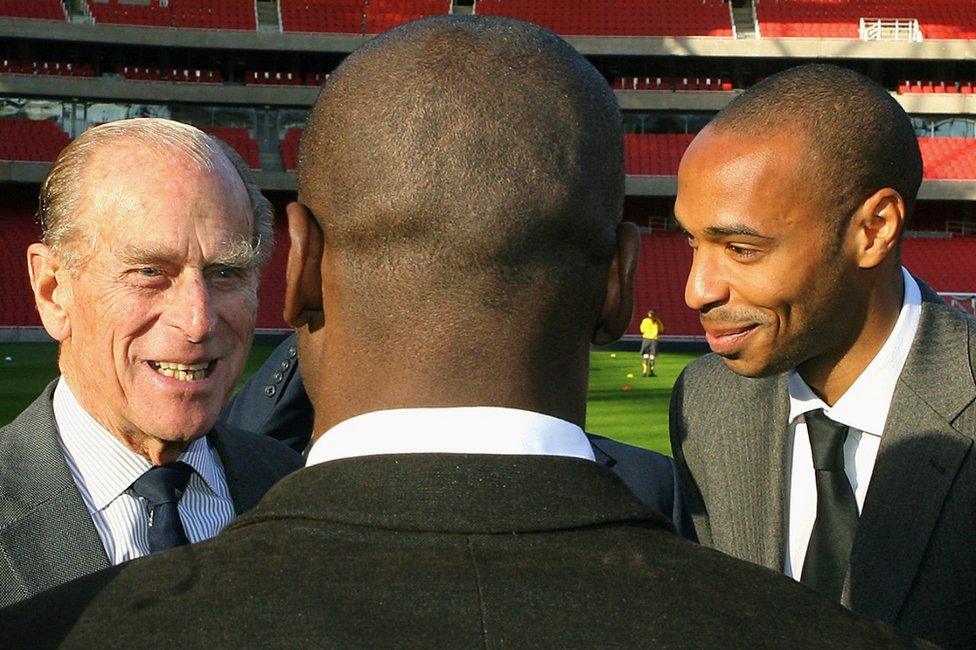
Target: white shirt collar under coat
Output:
[(459, 430), (106, 465), (865, 405)]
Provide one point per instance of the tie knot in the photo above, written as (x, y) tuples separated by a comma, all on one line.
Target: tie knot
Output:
[(826, 441), (163, 483)]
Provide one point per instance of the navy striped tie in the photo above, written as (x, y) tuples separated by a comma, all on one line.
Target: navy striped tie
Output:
[(161, 487)]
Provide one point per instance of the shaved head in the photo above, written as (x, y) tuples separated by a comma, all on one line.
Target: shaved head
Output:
[(857, 138), (460, 192), (461, 146)]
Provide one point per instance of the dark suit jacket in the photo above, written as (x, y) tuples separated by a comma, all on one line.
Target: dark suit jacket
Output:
[(46, 533), (440, 551), (913, 562), (274, 403)]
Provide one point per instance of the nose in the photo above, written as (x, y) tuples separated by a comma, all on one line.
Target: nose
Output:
[(706, 286), (192, 310)]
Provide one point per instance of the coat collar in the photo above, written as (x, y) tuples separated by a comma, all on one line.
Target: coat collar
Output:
[(456, 493)]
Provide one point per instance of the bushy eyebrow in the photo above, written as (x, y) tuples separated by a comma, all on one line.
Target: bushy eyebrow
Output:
[(240, 254)]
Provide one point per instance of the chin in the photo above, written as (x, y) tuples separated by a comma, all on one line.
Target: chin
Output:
[(751, 369)]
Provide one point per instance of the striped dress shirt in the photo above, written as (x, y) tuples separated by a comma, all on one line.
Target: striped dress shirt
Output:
[(104, 470)]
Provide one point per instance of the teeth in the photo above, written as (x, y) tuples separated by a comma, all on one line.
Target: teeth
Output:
[(181, 371)]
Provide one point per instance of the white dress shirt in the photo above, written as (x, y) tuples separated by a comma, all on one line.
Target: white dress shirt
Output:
[(104, 468), (459, 430), (864, 409)]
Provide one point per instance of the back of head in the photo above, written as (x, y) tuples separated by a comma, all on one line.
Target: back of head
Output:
[(859, 139), (465, 162)]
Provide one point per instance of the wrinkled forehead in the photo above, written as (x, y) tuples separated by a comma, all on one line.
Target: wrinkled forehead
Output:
[(125, 187)]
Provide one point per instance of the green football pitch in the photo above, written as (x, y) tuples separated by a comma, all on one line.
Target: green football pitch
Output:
[(630, 409)]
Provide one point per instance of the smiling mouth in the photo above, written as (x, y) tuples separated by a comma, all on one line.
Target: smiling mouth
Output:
[(183, 371), (727, 342)]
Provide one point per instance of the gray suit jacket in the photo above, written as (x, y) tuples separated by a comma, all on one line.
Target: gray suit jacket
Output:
[(46, 533), (913, 563)]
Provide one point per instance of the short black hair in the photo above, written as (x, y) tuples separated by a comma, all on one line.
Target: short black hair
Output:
[(860, 139), (467, 147)]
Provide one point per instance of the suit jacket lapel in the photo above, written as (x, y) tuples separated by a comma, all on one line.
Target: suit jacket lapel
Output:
[(919, 456), (39, 502)]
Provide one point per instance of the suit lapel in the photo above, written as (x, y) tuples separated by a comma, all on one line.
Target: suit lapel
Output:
[(918, 459), (46, 533)]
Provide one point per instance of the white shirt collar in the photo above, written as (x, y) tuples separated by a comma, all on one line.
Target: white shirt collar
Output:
[(460, 430), (865, 405), (106, 465)]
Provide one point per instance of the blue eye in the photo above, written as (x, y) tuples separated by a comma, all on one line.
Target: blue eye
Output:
[(149, 272)]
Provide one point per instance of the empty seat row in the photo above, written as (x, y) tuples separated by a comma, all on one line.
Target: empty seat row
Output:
[(240, 140), (31, 140), (175, 75), (937, 19), (47, 68), (929, 86), (266, 78), (36, 9), (679, 84), (355, 16), (199, 14), (619, 17)]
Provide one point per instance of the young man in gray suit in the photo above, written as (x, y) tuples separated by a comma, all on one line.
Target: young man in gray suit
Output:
[(457, 175), (830, 435), (153, 238)]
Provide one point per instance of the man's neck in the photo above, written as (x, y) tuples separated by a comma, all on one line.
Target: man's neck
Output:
[(830, 375)]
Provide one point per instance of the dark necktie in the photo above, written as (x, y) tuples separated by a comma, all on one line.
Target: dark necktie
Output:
[(161, 487), (829, 551)]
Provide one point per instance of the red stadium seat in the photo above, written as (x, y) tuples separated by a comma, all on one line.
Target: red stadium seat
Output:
[(36, 9), (938, 19), (289, 149), (619, 17), (31, 140), (240, 140), (355, 16)]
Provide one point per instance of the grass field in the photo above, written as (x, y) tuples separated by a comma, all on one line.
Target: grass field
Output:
[(630, 409)]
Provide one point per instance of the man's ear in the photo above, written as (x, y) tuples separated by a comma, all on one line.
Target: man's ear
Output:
[(879, 223), (618, 304), (303, 273), (51, 296)]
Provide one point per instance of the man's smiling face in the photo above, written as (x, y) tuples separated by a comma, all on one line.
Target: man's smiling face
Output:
[(769, 269), (162, 306)]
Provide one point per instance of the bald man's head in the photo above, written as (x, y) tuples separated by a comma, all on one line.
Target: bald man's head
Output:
[(474, 148)]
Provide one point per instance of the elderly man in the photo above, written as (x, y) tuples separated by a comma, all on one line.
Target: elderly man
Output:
[(831, 434), (470, 172), (153, 238)]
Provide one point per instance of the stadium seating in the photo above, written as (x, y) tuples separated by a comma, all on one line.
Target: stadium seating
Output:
[(31, 140), (19, 231), (289, 149), (240, 140), (265, 78), (662, 268), (46, 68), (938, 19), (37, 9), (619, 17), (271, 293), (949, 158), (355, 16), (677, 84), (945, 264), (654, 154), (176, 75), (928, 86), (200, 14)]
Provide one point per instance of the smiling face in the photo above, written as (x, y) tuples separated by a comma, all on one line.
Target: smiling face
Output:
[(160, 313), (773, 284)]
